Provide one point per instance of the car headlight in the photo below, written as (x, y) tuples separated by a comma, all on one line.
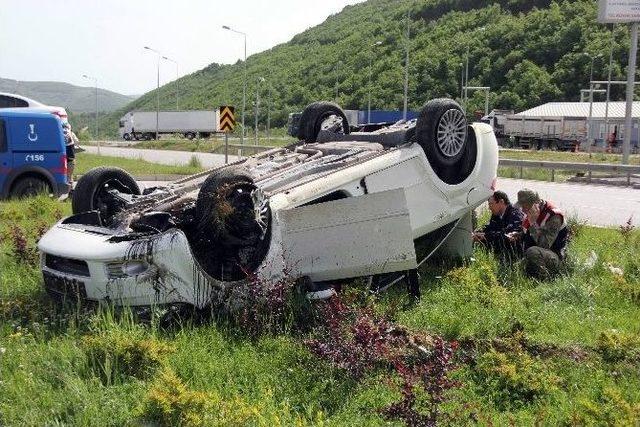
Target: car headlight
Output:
[(127, 269)]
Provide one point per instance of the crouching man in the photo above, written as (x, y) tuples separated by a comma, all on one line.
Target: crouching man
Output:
[(545, 235), (502, 233)]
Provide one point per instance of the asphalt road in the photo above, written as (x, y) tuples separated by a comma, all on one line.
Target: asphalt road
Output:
[(165, 157), (597, 204)]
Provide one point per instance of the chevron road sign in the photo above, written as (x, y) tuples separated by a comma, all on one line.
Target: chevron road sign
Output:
[(227, 118)]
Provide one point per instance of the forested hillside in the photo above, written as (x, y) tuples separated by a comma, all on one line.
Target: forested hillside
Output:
[(528, 52)]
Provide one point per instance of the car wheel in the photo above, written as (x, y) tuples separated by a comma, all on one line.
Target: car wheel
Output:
[(29, 187), (189, 135), (126, 137), (233, 225), (92, 191), (322, 116), (448, 142)]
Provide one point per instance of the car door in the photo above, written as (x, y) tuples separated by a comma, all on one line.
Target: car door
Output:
[(352, 237), (6, 162)]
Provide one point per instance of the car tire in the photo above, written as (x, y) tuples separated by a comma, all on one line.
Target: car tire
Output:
[(447, 140), (314, 115), (28, 187), (228, 242), (90, 192), (189, 135), (126, 137)]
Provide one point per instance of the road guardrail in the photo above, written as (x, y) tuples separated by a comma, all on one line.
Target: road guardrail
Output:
[(588, 168)]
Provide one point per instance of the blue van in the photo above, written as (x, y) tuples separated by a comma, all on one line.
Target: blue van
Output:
[(32, 154)]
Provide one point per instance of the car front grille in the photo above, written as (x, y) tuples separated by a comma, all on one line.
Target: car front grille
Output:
[(67, 265), (64, 287)]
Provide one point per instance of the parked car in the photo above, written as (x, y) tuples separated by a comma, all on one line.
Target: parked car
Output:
[(32, 154), (335, 205), (12, 100)]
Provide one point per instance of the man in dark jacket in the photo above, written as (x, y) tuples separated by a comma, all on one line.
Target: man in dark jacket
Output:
[(546, 235), (501, 233)]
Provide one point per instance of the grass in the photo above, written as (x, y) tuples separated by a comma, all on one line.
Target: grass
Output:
[(86, 161), (559, 352)]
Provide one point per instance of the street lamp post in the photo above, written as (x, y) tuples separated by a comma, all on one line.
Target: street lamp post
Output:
[(461, 82), (175, 62), (335, 69), (466, 73), (589, 121), (95, 83), (268, 114), (260, 80), (244, 81), (157, 91), (378, 43)]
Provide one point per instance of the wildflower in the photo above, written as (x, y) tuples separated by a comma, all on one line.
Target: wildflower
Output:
[(3, 350)]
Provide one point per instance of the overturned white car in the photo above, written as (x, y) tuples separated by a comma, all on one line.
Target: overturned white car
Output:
[(336, 205)]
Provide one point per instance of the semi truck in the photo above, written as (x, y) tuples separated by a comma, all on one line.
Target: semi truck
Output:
[(136, 125), (556, 133)]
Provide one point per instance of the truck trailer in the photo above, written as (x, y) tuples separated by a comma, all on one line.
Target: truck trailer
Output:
[(191, 124)]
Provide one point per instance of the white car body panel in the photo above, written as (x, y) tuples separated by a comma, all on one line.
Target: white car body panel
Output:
[(351, 237), (393, 196)]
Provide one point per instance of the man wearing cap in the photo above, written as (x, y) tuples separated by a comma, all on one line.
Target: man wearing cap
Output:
[(545, 235), (500, 234)]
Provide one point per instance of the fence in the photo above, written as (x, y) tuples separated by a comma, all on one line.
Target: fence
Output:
[(588, 168)]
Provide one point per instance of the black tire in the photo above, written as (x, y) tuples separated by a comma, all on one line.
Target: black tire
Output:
[(189, 135), (91, 194), (29, 186), (126, 137), (452, 163), (314, 115), (441, 130), (228, 242)]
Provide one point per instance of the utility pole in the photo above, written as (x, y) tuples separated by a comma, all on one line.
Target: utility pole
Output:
[(631, 77), (606, 108), (378, 43), (406, 69)]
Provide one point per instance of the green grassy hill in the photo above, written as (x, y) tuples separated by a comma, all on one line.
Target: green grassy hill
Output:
[(75, 99), (529, 52)]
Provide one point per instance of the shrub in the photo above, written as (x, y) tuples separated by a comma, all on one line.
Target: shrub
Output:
[(115, 354), (354, 339), (361, 342), (21, 249), (513, 377), (194, 162), (425, 384), (262, 306), (615, 346), (610, 408), (478, 282), (170, 402)]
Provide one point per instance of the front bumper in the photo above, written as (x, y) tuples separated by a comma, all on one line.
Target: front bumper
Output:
[(85, 263)]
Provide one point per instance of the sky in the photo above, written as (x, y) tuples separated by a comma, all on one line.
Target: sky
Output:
[(46, 40)]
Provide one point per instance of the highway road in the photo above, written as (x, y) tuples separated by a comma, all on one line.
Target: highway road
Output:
[(597, 204), (165, 157)]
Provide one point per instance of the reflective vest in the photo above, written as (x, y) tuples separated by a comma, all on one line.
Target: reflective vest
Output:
[(559, 245)]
